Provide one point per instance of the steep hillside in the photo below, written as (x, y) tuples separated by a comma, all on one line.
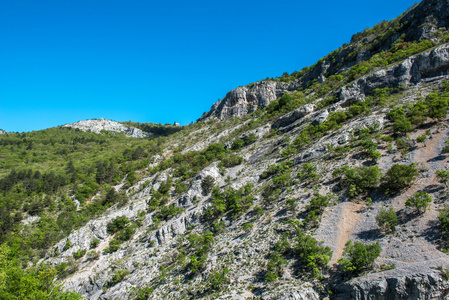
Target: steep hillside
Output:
[(330, 183)]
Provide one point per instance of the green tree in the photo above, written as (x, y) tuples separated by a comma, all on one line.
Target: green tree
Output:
[(275, 266), (312, 254), (444, 219), (399, 177), (443, 177), (359, 180), (387, 219), (359, 257), (419, 202), (207, 184)]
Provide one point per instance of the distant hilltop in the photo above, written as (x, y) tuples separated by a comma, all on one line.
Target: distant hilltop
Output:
[(102, 124)]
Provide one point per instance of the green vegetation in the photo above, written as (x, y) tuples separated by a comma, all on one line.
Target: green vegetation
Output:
[(359, 257), (231, 160), (405, 117), (387, 219), (444, 220), (207, 184), (311, 253), (118, 276), (419, 202), (199, 245), (32, 283), (167, 212), (122, 229), (358, 180), (308, 173), (315, 209), (443, 177), (78, 254), (230, 200), (117, 224), (144, 293), (218, 279), (94, 243), (399, 177), (243, 142), (275, 266)]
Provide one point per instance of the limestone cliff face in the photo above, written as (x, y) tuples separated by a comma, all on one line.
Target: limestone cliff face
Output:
[(425, 67), (98, 125), (244, 100)]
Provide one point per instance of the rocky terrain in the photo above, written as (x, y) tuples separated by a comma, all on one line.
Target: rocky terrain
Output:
[(102, 124), (263, 197)]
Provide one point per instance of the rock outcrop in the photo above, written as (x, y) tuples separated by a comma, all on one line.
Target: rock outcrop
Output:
[(98, 125), (244, 100), (429, 285), (416, 69)]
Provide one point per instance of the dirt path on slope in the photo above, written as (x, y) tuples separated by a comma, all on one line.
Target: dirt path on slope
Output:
[(349, 219)]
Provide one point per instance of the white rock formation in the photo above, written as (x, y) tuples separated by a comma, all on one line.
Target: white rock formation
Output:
[(102, 124)]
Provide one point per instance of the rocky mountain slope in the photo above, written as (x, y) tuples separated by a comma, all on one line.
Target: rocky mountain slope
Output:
[(101, 124), (330, 182)]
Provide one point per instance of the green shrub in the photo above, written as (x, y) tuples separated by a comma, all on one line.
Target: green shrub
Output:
[(275, 266), (358, 180), (279, 168), (117, 224), (167, 212), (236, 201), (443, 177), (181, 188), (200, 244), (315, 209), (237, 144), (125, 234), (207, 184), (421, 138), (231, 160), (308, 174), (67, 245), (419, 202), (359, 257), (248, 226), (313, 256), (78, 254), (94, 243), (437, 106), (118, 276), (387, 219), (399, 177), (92, 255), (218, 279), (144, 293), (444, 220), (318, 202)]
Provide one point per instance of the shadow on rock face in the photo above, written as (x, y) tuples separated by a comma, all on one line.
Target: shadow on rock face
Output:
[(432, 233), (370, 235)]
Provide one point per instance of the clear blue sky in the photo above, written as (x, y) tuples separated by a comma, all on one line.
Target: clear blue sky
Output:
[(158, 61)]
